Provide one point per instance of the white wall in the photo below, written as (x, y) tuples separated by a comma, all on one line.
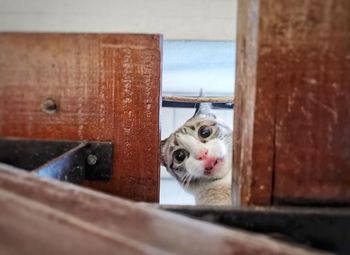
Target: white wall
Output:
[(176, 19), (189, 66)]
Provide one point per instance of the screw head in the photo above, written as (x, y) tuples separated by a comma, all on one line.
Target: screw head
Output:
[(91, 159), (49, 106)]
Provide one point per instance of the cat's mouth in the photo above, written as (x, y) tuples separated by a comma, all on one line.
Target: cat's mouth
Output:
[(212, 166)]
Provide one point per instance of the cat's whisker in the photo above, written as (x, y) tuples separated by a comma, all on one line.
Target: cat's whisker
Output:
[(185, 182), (189, 181), (184, 178)]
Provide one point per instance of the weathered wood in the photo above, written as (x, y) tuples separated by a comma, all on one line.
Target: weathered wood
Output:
[(38, 216), (104, 87), (293, 102), (312, 157), (187, 99), (253, 127)]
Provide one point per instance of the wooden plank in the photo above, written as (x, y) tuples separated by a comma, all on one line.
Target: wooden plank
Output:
[(106, 87), (188, 99), (26, 231), (312, 158), (253, 125), (293, 89), (82, 221)]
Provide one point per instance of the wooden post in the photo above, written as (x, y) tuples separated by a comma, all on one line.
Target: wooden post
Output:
[(105, 87), (292, 103)]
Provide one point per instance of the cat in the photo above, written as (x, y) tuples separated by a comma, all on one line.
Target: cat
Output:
[(199, 156)]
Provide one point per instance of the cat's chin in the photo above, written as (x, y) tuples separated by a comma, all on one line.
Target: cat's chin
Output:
[(215, 176)]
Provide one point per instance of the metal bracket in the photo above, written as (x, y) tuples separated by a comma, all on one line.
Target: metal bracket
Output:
[(69, 161)]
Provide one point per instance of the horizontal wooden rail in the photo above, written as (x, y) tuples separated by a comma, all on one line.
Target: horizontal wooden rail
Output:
[(188, 99), (81, 221)]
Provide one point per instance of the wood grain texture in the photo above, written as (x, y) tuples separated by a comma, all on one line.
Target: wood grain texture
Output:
[(253, 125), (312, 119), (300, 104), (188, 99), (107, 88), (41, 216)]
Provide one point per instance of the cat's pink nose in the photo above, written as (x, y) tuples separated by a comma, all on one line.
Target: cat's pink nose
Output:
[(202, 155)]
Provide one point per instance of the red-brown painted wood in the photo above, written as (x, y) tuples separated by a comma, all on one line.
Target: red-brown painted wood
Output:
[(293, 102), (254, 107), (107, 88)]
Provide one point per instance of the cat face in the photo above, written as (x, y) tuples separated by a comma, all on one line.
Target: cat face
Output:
[(201, 149)]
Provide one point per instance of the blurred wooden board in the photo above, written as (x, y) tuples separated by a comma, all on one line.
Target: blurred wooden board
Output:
[(293, 102), (106, 87), (41, 216)]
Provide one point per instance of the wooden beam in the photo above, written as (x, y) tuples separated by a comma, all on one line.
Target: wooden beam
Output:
[(100, 87), (188, 99), (43, 216), (293, 102)]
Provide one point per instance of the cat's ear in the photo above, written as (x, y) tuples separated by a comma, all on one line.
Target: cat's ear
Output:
[(162, 157), (204, 110)]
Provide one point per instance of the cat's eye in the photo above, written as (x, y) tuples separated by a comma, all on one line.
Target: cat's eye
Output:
[(179, 155), (205, 131)]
